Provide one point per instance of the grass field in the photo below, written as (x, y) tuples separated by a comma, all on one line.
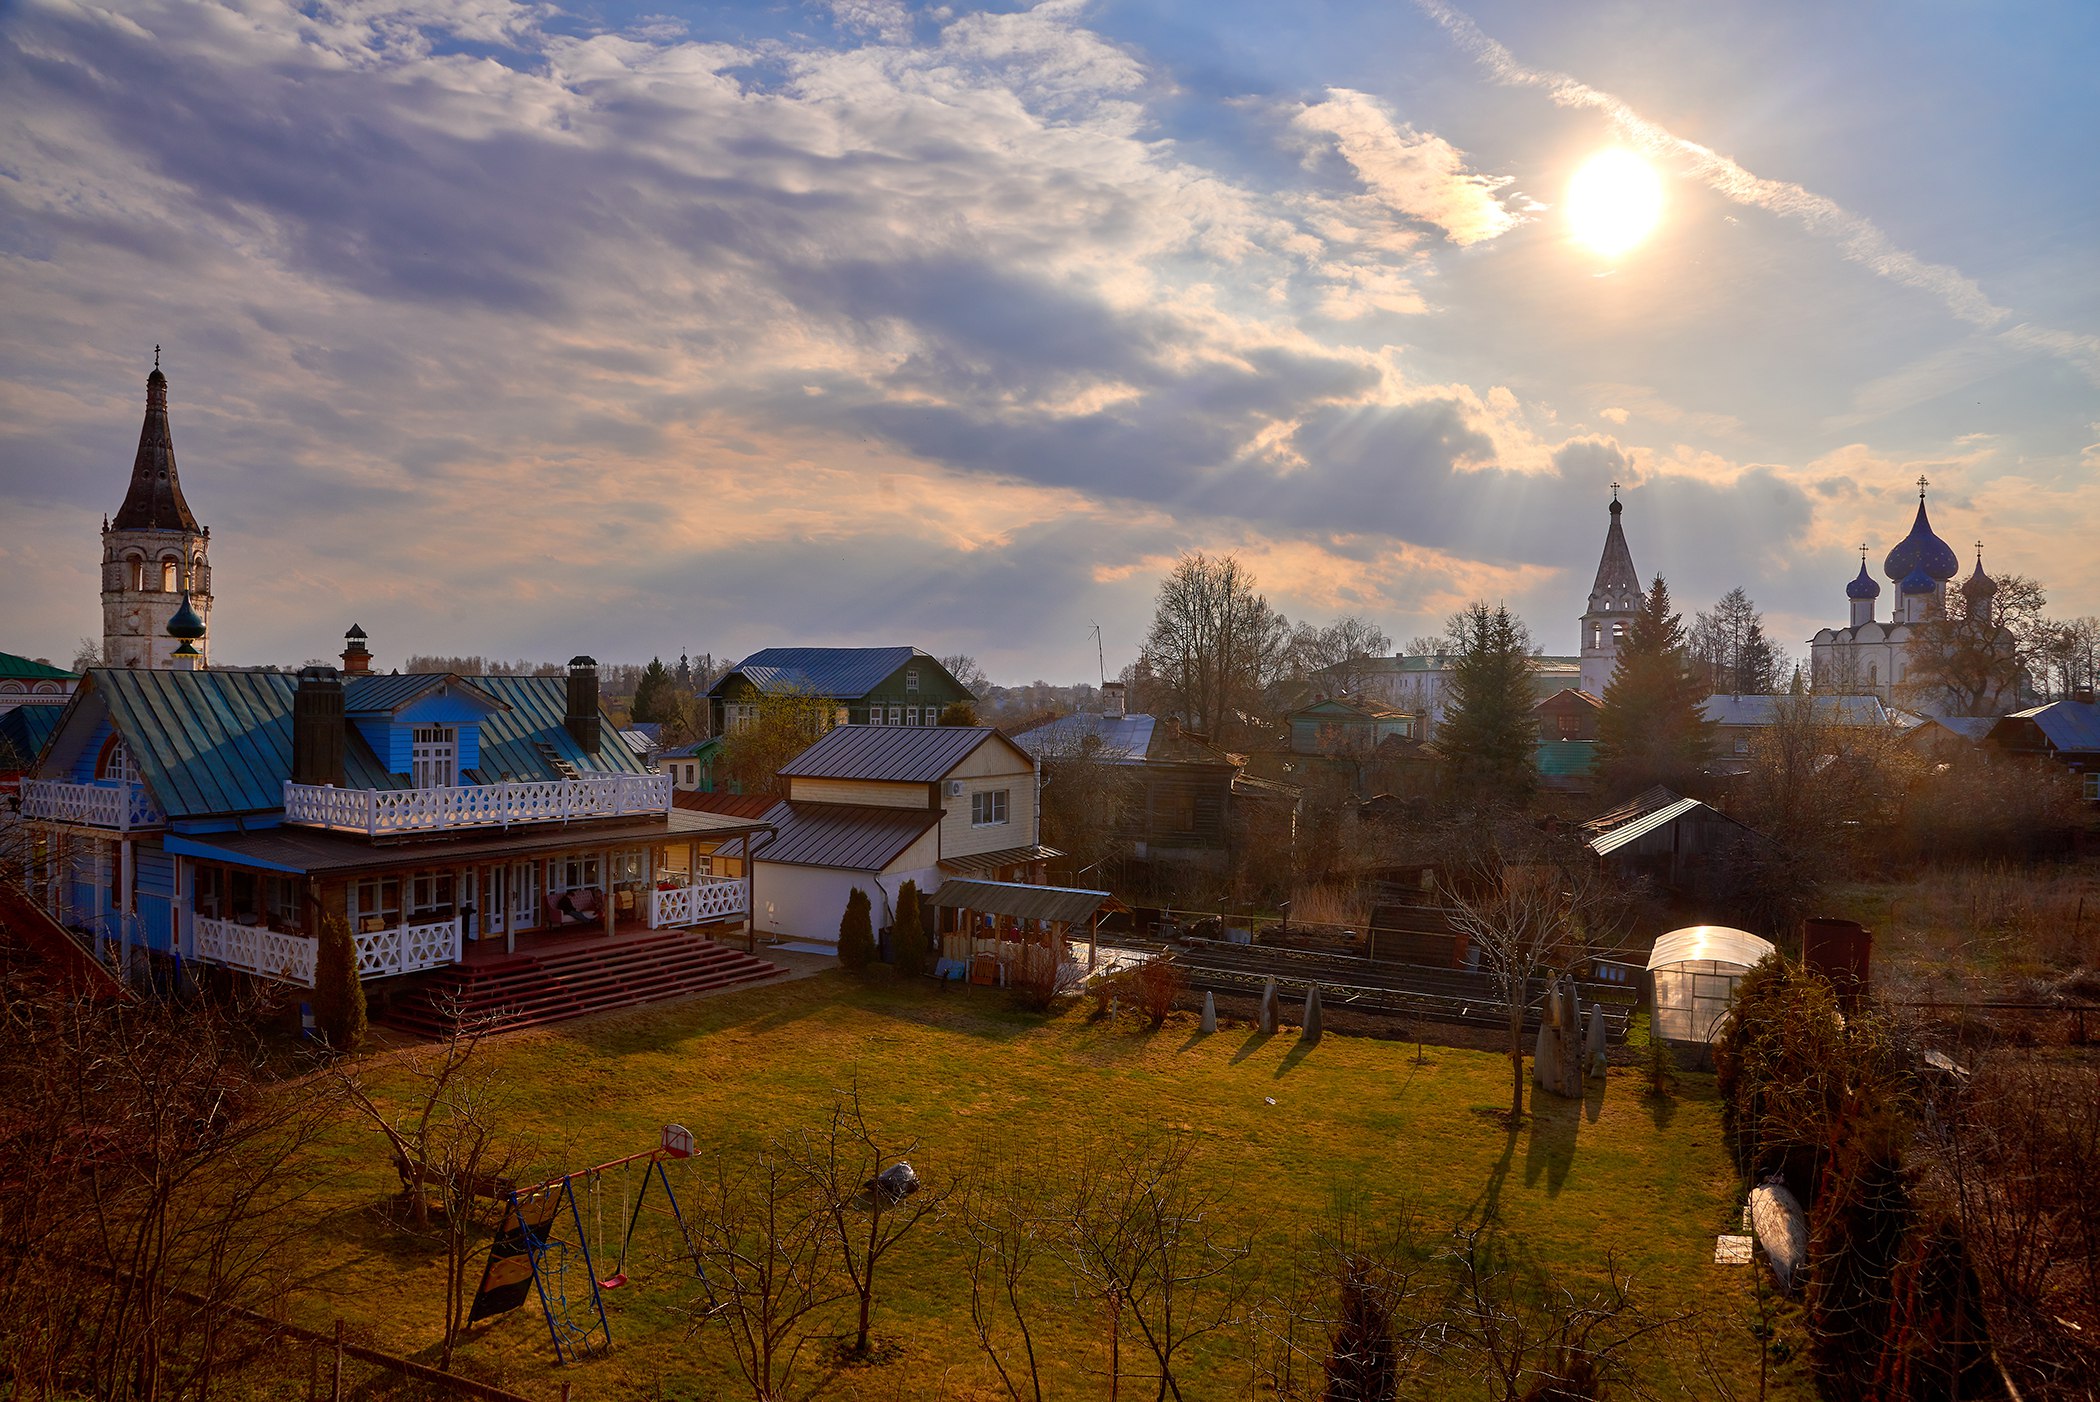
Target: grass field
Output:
[(958, 1072)]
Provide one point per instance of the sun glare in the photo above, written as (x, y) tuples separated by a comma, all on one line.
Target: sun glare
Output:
[(1614, 201)]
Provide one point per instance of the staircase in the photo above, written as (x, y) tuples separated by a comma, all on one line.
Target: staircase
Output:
[(524, 990)]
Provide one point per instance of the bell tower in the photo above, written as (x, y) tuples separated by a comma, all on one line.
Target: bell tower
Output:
[(1615, 598), (153, 552)]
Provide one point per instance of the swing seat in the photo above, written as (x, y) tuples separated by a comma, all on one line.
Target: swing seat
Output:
[(614, 1281)]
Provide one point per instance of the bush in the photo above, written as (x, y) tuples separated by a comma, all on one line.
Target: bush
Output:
[(339, 997), (908, 934), (1042, 975), (856, 934), (1158, 983)]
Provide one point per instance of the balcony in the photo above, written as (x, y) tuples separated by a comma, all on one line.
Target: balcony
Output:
[(398, 812), (120, 807), (267, 953), (710, 898)]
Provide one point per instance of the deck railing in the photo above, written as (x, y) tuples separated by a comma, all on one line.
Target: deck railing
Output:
[(381, 812), (398, 949), (121, 806), (709, 898)]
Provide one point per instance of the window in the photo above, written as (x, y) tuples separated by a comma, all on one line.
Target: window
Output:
[(988, 810), (434, 757), (116, 764), (627, 867), (1570, 726), (170, 573), (430, 893), (738, 714), (911, 715), (2092, 786), (896, 715), (375, 903), (1742, 744), (1618, 634), (135, 572), (572, 873), (911, 680)]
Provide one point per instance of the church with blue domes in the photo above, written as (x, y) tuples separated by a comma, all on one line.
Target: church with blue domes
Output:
[(1872, 655)]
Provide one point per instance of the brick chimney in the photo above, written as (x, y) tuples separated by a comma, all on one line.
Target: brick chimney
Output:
[(356, 661), (581, 721), (317, 727), (1113, 704)]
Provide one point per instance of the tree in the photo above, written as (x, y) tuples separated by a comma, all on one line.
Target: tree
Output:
[(88, 653), (964, 668), (1330, 661), (1089, 794), (908, 933), (1972, 659), (2070, 660), (444, 1078), (339, 995), (785, 724), (856, 934), (1488, 731), (960, 713), (1214, 647), (1651, 729), (1732, 651), (656, 696)]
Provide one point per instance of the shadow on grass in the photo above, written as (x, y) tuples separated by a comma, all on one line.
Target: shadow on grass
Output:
[(1255, 1042), (1487, 1207), (1550, 1151), (1298, 1052), (1593, 1098), (1661, 1108)]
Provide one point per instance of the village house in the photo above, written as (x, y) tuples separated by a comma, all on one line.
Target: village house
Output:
[(2066, 732), (851, 685)]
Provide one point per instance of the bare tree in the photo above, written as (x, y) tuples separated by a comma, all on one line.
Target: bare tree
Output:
[(784, 725), (964, 668), (444, 1084), (1215, 645), (475, 1163), (1006, 1222), (762, 1241), (868, 1192)]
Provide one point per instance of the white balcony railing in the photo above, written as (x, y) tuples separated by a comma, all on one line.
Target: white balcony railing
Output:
[(121, 806), (712, 898), (398, 949), (382, 812)]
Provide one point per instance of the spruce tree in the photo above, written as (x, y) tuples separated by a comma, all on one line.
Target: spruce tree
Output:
[(856, 933), (656, 695), (908, 933), (339, 998), (1488, 731), (1652, 730)]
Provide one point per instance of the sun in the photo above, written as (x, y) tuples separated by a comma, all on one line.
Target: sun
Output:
[(1614, 202)]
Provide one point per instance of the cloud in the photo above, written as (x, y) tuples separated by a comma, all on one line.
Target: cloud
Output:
[(1418, 174)]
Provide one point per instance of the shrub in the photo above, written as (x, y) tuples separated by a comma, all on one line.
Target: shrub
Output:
[(1363, 1364), (908, 934), (856, 934), (1042, 975), (1158, 983), (339, 997)]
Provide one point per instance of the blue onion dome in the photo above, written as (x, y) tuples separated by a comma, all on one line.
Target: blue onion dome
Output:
[(1921, 550), (186, 624), (1918, 582), (1865, 586)]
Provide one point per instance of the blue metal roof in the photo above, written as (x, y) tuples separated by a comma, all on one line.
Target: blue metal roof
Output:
[(384, 695), (839, 673), (2070, 726), (24, 730), (1127, 737), (220, 742)]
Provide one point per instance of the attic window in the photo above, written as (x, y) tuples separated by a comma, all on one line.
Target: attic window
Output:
[(911, 680), (434, 757), (116, 764)]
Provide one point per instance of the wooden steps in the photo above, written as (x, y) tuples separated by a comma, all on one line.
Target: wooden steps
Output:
[(525, 989)]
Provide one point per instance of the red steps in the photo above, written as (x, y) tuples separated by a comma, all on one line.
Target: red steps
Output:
[(525, 989)]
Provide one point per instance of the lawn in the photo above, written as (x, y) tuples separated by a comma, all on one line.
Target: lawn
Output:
[(959, 1072)]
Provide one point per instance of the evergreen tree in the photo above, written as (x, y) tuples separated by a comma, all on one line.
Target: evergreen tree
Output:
[(856, 934), (908, 933), (960, 713), (656, 698), (339, 998), (1488, 731), (1651, 730)]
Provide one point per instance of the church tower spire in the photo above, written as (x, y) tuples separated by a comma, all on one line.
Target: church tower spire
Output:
[(1614, 599), (153, 550)]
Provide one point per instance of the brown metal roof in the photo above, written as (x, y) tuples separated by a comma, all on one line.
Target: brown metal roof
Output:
[(154, 501), (843, 835), (898, 754), (1066, 903), (1004, 857), (316, 851), (736, 805)]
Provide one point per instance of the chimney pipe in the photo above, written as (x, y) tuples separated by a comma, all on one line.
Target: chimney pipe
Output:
[(582, 718), (356, 660), (1112, 700), (317, 727)]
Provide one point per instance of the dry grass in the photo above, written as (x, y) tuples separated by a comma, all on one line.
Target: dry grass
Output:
[(1989, 929), (1333, 903)]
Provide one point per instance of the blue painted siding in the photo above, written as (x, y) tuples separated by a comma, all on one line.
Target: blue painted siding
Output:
[(84, 763), (156, 872)]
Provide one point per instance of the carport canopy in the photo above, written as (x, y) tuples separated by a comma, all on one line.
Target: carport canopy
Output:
[(1064, 904)]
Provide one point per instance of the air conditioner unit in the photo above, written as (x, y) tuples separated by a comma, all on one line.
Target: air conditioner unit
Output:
[(955, 788)]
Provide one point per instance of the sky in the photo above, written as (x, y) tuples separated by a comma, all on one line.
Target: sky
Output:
[(530, 329)]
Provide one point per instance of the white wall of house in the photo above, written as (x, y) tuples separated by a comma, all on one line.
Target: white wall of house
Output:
[(990, 768), (806, 903)]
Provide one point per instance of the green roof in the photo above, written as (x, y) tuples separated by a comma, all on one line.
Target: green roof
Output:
[(29, 669), (1566, 759)]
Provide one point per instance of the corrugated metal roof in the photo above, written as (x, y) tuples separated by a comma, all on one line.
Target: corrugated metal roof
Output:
[(538, 707), (1619, 836), (303, 849), (899, 754), (24, 730), (29, 669), (370, 695), (1722, 944), (1066, 903), (738, 805), (2072, 726), (1004, 857), (842, 835), (1123, 737), (840, 673)]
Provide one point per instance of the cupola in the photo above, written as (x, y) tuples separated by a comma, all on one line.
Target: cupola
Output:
[(1979, 588), (1921, 550)]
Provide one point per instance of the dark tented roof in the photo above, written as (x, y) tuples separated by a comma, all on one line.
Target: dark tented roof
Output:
[(1065, 903), (839, 673), (154, 501), (515, 741), (842, 835), (898, 754), (23, 732)]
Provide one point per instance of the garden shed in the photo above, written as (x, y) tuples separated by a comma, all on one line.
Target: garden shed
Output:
[(1695, 971)]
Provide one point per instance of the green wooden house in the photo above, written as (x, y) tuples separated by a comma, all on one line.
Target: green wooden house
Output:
[(862, 685)]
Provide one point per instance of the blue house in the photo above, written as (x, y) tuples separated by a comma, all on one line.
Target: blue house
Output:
[(222, 816)]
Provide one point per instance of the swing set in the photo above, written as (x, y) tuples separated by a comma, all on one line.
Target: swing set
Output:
[(544, 1247)]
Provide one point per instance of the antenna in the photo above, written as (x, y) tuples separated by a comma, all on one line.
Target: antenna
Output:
[(1100, 655)]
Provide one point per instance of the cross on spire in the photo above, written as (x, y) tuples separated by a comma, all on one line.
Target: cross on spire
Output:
[(156, 355), (1923, 483), (1862, 554), (1614, 491)]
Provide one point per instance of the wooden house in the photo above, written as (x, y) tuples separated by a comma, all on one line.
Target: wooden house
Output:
[(855, 685)]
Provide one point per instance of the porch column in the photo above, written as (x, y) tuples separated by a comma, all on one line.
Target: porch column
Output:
[(750, 898), (124, 903), (605, 882)]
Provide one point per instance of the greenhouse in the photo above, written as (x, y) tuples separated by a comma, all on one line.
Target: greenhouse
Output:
[(1695, 971)]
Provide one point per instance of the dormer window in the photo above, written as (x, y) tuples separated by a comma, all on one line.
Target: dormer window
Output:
[(911, 680), (116, 764), (434, 757)]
